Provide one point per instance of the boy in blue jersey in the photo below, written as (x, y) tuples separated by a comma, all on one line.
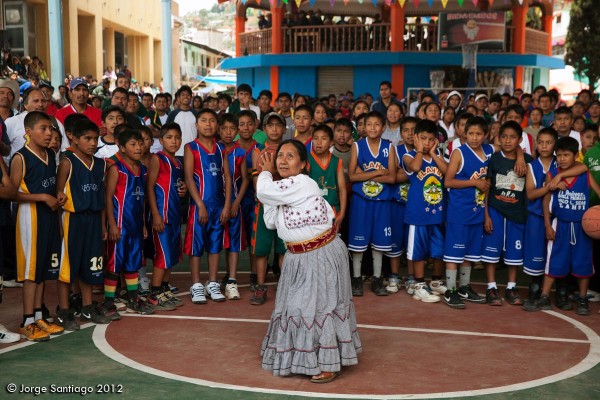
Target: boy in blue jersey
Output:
[(125, 196), (33, 173), (247, 142), (426, 210), (569, 247), (81, 178), (206, 172), (505, 215), (467, 184), (373, 172), (164, 188), (235, 236)]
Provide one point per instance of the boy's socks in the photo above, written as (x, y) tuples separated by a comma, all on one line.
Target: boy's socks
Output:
[(377, 262), (110, 287), (230, 281), (27, 319), (131, 280), (511, 285), (539, 279), (465, 275), (356, 264), (451, 279), (156, 289), (492, 285), (37, 314), (142, 272)]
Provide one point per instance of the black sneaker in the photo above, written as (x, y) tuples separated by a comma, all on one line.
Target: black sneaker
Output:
[(253, 282), (543, 303), (512, 297), (467, 293), (224, 282), (583, 307), (66, 319), (260, 295), (562, 299), (453, 299), (139, 306), (46, 314), (109, 310), (357, 286), (492, 297), (535, 291), (75, 303), (377, 286), (93, 313)]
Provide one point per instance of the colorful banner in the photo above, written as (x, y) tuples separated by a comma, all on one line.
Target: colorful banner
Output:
[(487, 29)]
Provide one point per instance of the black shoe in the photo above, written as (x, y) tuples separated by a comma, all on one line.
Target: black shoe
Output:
[(224, 282), (562, 299), (75, 303), (583, 307), (46, 314), (543, 303), (512, 297), (357, 286), (93, 313), (453, 299), (492, 297), (253, 282), (377, 286), (467, 293), (535, 291), (66, 319)]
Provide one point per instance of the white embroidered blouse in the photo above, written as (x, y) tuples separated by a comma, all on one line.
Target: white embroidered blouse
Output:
[(294, 206)]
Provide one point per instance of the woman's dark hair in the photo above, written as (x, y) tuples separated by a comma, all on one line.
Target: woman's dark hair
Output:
[(302, 152)]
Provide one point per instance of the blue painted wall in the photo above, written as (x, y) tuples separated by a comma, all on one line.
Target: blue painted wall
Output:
[(416, 76), (298, 79), (258, 78), (366, 79)]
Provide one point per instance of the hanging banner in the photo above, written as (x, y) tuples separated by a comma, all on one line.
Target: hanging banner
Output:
[(487, 29), (444, 3)]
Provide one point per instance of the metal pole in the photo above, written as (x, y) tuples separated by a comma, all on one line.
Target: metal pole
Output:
[(167, 47), (55, 34)]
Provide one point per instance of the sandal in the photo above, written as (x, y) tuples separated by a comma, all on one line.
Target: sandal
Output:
[(324, 377)]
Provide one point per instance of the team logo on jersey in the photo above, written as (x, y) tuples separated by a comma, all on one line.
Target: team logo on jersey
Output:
[(479, 198), (404, 191), (432, 191), (372, 188), (213, 169), (138, 193)]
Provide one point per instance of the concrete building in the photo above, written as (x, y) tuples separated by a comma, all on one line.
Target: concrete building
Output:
[(198, 59)]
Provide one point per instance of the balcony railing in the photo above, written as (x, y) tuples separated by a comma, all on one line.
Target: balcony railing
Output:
[(362, 38)]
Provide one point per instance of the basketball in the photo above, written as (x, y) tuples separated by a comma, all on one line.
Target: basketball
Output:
[(591, 222)]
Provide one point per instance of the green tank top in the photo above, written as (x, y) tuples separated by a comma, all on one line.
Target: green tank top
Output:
[(326, 178)]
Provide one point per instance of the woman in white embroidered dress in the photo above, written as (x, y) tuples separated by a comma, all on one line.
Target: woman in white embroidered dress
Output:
[(313, 326)]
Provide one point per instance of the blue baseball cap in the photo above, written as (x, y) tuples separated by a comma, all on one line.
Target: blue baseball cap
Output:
[(76, 82)]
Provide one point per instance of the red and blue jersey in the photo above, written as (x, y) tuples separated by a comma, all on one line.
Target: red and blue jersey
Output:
[(208, 172), (168, 181), (249, 195), (128, 199), (236, 157)]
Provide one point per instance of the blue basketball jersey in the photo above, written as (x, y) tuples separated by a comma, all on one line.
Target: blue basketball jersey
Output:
[(539, 176), (208, 173), (570, 204), (236, 156), (85, 185), (401, 189), (128, 199), (249, 195), (468, 204), (39, 175), (367, 161), (426, 203), (168, 181)]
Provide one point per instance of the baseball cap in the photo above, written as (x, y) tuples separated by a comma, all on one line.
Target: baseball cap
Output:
[(481, 96), (76, 82), (14, 86), (273, 115)]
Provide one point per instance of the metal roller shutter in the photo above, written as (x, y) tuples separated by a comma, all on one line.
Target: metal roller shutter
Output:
[(335, 80)]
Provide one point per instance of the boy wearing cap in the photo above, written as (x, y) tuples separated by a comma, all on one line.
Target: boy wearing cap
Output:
[(481, 103), (79, 93)]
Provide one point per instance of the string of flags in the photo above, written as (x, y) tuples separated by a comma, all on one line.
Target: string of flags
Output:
[(387, 2)]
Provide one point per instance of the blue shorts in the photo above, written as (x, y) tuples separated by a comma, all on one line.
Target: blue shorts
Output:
[(398, 229), (425, 241), (370, 223), (506, 240), (534, 253), (125, 255), (207, 237), (167, 245), (570, 252), (248, 215), (463, 242), (82, 248), (234, 238)]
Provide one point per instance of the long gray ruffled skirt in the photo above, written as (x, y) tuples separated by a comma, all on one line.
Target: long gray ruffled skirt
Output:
[(313, 326)]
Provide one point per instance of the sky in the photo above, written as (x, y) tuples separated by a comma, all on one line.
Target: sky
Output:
[(186, 6)]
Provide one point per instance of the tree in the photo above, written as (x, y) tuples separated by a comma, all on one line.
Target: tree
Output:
[(583, 38)]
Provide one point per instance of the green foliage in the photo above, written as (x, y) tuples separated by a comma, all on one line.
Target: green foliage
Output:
[(583, 40)]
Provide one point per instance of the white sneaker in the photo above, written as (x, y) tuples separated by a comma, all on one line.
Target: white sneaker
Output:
[(410, 287), (438, 287), (422, 294), (213, 290), (231, 291), (197, 293), (393, 285), (144, 286), (7, 336), (12, 283), (120, 304)]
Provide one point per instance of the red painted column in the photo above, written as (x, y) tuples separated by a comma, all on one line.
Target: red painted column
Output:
[(397, 16), (240, 27), (547, 24), (276, 44), (518, 40)]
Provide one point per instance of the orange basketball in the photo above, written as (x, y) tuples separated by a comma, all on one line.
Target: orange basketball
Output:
[(591, 222)]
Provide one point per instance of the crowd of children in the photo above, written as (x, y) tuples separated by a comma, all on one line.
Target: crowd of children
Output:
[(446, 186)]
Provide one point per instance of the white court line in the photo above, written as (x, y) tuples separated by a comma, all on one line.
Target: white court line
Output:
[(377, 327), (592, 358), (27, 343)]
